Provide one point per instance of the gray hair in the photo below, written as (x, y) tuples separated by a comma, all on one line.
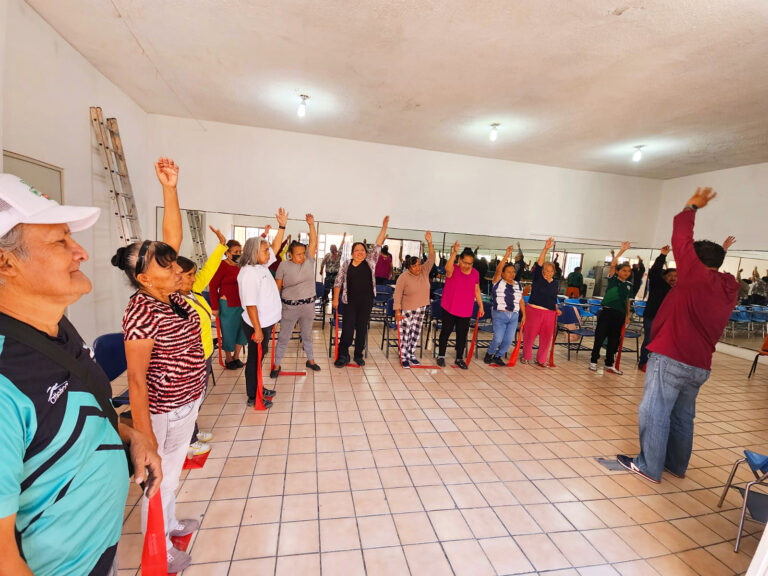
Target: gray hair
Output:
[(13, 242), (251, 251)]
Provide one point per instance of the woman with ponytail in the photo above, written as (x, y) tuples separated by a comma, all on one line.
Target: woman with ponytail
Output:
[(165, 355)]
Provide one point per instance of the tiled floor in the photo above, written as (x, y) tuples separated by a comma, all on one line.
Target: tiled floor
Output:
[(490, 471)]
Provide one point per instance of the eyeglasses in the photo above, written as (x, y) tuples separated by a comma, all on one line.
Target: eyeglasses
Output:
[(142, 256)]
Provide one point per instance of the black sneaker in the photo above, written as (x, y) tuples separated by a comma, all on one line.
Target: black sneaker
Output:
[(414, 361), (313, 367), (340, 363), (275, 372), (360, 361), (251, 402), (488, 358), (461, 364), (405, 364), (630, 465), (232, 365), (267, 393), (498, 361), (441, 362), (238, 363)]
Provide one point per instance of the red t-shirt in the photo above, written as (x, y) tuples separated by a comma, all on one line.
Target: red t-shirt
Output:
[(224, 284), (695, 312)]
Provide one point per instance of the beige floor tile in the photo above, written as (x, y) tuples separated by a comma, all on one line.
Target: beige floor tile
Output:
[(232, 487), (305, 564), (299, 507), (214, 544), (608, 543), (548, 517), (258, 541), (332, 480), (671, 565), (385, 561), (672, 538), (211, 569), (636, 568), (641, 541), (541, 552), (577, 550), (450, 525), (697, 531), (336, 505), (377, 531), (414, 528), (339, 534), (467, 558), (581, 517), (249, 567), (370, 502), (262, 510), (705, 563), (223, 513), (348, 563), (435, 497), (427, 559), (484, 522), (298, 538), (505, 555)]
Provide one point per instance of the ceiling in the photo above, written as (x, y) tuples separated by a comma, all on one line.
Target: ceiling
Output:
[(573, 83)]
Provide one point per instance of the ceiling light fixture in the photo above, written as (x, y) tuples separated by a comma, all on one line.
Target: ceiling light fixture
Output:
[(638, 155), (494, 131), (302, 110)]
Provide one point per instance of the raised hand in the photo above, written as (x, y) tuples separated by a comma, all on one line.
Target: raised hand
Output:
[(428, 237), (666, 249), (310, 220), (625, 246), (385, 222), (455, 248), (702, 197), (729, 242), (282, 217), (549, 243), (167, 172), (267, 228), (510, 249), (219, 235)]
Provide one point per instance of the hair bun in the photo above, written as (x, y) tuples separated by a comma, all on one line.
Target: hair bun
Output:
[(119, 258)]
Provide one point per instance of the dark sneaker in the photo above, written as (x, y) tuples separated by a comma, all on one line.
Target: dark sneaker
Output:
[(313, 367), (340, 363), (414, 361), (675, 474), (461, 364), (275, 372), (405, 364), (238, 363), (498, 361), (630, 465), (233, 365), (360, 361), (441, 362), (487, 358), (251, 402), (267, 393), (185, 528), (177, 560)]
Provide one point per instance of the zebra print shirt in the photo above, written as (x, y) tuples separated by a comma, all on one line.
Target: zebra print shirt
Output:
[(176, 372)]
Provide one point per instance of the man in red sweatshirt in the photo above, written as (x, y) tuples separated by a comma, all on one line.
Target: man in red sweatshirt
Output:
[(685, 331)]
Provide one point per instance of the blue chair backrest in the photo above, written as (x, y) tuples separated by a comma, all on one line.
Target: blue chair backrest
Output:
[(756, 461), (572, 301), (568, 315), (207, 295), (436, 309), (391, 307), (385, 289), (109, 351), (526, 298), (319, 289)]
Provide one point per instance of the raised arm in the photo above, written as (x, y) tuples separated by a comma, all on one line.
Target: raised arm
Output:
[(730, 241), (430, 246), (449, 264), (547, 247), (624, 247), (168, 175), (312, 248), (520, 251), (383, 233), (206, 273), (282, 220), (501, 264)]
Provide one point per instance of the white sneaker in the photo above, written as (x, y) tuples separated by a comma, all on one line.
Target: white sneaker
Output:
[(177, 560), (204, 436), (198, 448), (613, 370), (593, 366)]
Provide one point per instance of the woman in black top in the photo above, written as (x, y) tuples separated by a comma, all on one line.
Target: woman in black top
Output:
[(541, 309), (660, 282), (356, 287)]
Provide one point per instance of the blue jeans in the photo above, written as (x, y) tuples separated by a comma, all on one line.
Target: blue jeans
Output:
[(647, 326), (666, 415), (504, 328)]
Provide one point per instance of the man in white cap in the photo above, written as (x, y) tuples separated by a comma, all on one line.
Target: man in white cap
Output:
[(64, 474)]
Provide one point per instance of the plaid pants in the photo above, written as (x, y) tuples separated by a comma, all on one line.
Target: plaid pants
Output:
[(410, 332)]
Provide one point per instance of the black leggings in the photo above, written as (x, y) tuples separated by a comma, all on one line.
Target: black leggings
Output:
[(253, 364), (354, 325), (609, 323), (462, 327)]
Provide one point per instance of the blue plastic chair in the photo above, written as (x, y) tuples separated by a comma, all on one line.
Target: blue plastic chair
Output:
[(109, 352), (569, 317), (758, 463), (389, 333)]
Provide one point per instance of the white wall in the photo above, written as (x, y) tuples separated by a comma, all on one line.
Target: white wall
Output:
[(227, 168), (741, 206), (47, 90), (3, 25)]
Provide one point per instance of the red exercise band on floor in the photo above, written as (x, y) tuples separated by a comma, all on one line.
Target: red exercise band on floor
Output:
[(154, 559), (516, 352), (218, 335), (621, 345), (272, 363), (195, 462)]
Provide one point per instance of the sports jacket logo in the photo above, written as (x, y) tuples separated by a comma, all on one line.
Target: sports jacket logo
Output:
[(55, 391)]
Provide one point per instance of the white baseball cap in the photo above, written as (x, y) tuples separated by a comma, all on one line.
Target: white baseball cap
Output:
[(20, 203)]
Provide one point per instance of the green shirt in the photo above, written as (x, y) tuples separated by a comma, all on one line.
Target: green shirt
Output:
[(575, 279), (617, 294)]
